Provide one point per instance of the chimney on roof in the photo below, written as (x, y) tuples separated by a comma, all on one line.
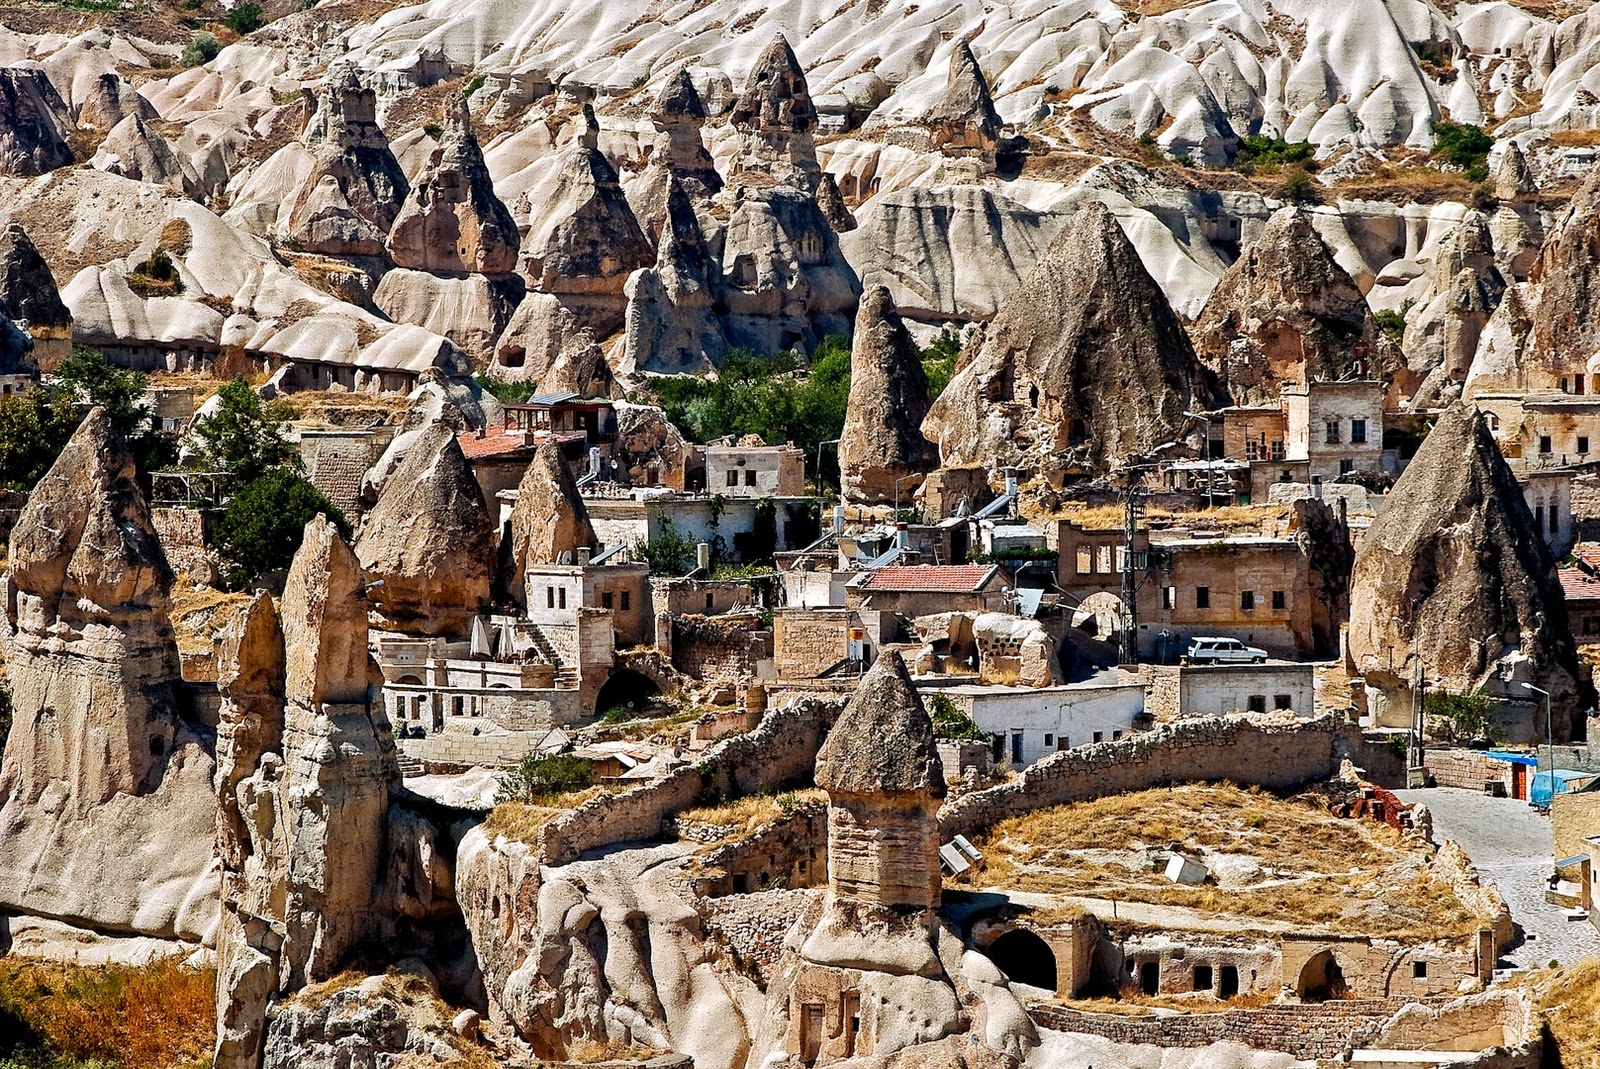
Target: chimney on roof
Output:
[(838, 519), (1316, 488), (583, 554), (1011, 483), (902, 537), (702, 556)]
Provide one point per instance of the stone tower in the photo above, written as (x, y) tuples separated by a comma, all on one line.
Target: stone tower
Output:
[(881, 770)]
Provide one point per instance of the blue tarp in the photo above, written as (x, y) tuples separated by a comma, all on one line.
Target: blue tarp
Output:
[(1511, 757), (1539, 792)]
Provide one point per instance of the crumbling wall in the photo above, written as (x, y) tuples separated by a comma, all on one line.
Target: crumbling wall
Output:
[(780, 750), (1277, 754), (725, 650), (792, 851)]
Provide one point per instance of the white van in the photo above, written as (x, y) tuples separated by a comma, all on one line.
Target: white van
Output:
[(1224, 651)]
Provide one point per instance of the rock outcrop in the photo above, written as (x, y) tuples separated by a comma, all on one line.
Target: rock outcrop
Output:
[(452, 221), (28, 295), (776, 121), (106, 810), (1442, 338), (1085, 365), (1285, 313), (1453, 579), (355, 189), (1566, 281), (649, 450), (882, 448), (133, 150), (964, 122), (1512, 179), (429, 541), (308, 767), (678, 156), (548, 520), (33, 124), (672, 325), (109, 102)]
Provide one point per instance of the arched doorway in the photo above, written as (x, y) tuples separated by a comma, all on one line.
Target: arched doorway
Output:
[(625, 689), (1025, 958), (1321, 979), (1101, 615)]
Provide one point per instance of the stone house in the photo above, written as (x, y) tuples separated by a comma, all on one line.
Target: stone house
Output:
[(1034, 722), (1223, 689), (558, 593), (747, 528), (1580, 582), (916, 590), (1336, 426), (755, 470)]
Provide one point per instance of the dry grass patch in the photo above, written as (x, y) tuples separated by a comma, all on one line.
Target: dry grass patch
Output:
[(156, 1016), (753, 811), (1270, 859), (522, 822), (1569, 1001), (1407, 183), (199, 615), (1227, 518)]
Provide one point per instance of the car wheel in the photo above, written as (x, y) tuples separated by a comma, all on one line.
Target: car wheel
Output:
[(1260, 660)]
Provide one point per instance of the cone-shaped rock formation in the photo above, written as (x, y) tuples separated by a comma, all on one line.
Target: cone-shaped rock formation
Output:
[(882, 443), (33, 124), (549, 518), (776, 120), (964, 122)]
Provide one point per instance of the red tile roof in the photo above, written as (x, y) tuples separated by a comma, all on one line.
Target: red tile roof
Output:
[(948, 578), (495, 443), (1579, 585)]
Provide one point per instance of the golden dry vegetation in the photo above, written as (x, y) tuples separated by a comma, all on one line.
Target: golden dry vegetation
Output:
[(1292, 862), (199, 613), (1568, 1000), (156, 1016), (521, 822), (423, 1010), (752, 812)]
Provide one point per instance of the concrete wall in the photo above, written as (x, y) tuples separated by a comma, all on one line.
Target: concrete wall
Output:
[(1216, 690), (1240, 750), (1574, 817)]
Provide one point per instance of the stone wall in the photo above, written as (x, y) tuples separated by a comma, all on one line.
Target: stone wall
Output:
[(718, 648), (1320, 1031), (451, 750), (806, 642), (1574, 817), (182, 532), (791, 852), (1279, 754), (781, 751), (752, 927), (1466, 768)]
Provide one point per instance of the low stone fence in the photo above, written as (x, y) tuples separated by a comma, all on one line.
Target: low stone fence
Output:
[(1470, 769), (782, 750), (452, 750), (1310, 1031), (1280, 755)]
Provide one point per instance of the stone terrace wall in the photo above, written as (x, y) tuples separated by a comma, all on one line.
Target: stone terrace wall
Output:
[(1280, 755), (781, 750), (1466, 768), (1319, 1031)]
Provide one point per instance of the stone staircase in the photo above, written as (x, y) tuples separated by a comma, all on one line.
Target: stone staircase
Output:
[(566, 674)]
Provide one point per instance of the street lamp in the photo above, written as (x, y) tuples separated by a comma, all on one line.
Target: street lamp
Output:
[(1549, 733)]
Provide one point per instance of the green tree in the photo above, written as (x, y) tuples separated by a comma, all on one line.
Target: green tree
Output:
[(668, 553), (263, 525), (34, 426), (535, 778), (1463, 145), (203, 48), (245, 18), (88, 376), (242, 438), (1461, 717), (949, 722), (1298, 188), (939, 360)]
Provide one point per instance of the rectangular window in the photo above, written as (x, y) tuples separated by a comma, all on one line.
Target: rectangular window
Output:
[(1555, 519), (1591, 626), (550, 597), (1346, 467), (1103, 560), (711, 602), (605, 600), (750, 476), (1169, 597), (1419, 970), (1085, 560), (1251, 450), (1016, 747), (1115, 735), (1583, 444), (733, 477), (1202, 978), (1202, 597), (1332, 427), (1282, 701), (1564, 387), (1544, 443), (1099, 736), (1358, 432), (1257, 703), (1277, 451), (1279, 599), (1062, 743), (625, 600), (1049, 738), (1538, 516), (1247, 600), (561, 598)]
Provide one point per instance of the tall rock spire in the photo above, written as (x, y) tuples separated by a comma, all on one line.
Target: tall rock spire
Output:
[(882, 448)]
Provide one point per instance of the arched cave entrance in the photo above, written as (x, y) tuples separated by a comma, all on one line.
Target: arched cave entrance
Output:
[(625, 689), (1025, 958), (1321, 979)]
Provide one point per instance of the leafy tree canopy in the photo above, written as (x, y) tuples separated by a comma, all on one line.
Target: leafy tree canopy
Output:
[(263, 525)]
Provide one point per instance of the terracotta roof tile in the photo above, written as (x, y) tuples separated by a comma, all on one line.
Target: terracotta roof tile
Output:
[(949, 578)]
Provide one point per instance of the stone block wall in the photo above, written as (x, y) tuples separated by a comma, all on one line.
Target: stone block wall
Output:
[(182, 533), (1466, 768), (708, 648), (753, 926), (790, 852), (1277, 754), (807, 643)]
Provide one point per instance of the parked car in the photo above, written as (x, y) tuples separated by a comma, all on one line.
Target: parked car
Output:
[(1224, 651)]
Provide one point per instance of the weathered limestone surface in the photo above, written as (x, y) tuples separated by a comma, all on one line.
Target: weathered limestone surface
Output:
[(672, 325), (964, 122), (1286, 313), (882, 443), (776, 121), (106, 812), (1454, 577), (355, 190), (430, 540), (549, 518), (452, 221), (33, 124), (1089, 344)]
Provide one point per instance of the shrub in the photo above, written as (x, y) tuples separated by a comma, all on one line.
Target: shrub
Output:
[(203, 48), (1394, 323), (472, 87), (669, 553), (1462, 717), (1463, 145), (433, 130), (245, 18), (512, 392), (939, 360), (263, 525), (536, 777), (1258, 150), (1298, 188), (950, 722)]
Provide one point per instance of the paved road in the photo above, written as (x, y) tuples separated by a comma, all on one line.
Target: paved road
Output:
[(1510, 843)]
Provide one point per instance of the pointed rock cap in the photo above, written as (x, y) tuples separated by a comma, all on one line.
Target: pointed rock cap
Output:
[(110, 101), (1285, 312), (585, 238), (965, 115), (831, 203), (250, 657), (1512, 178), (883, 742), (549, 518), (347, 112), (324, 618), (430, 540), (27, 288), (85, 540), (776, 97), (683, 261), (882, 441), (678, 102), (33, 123), (1564, 331)]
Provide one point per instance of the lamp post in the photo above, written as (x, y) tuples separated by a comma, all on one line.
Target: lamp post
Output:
[(1549, 733)]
